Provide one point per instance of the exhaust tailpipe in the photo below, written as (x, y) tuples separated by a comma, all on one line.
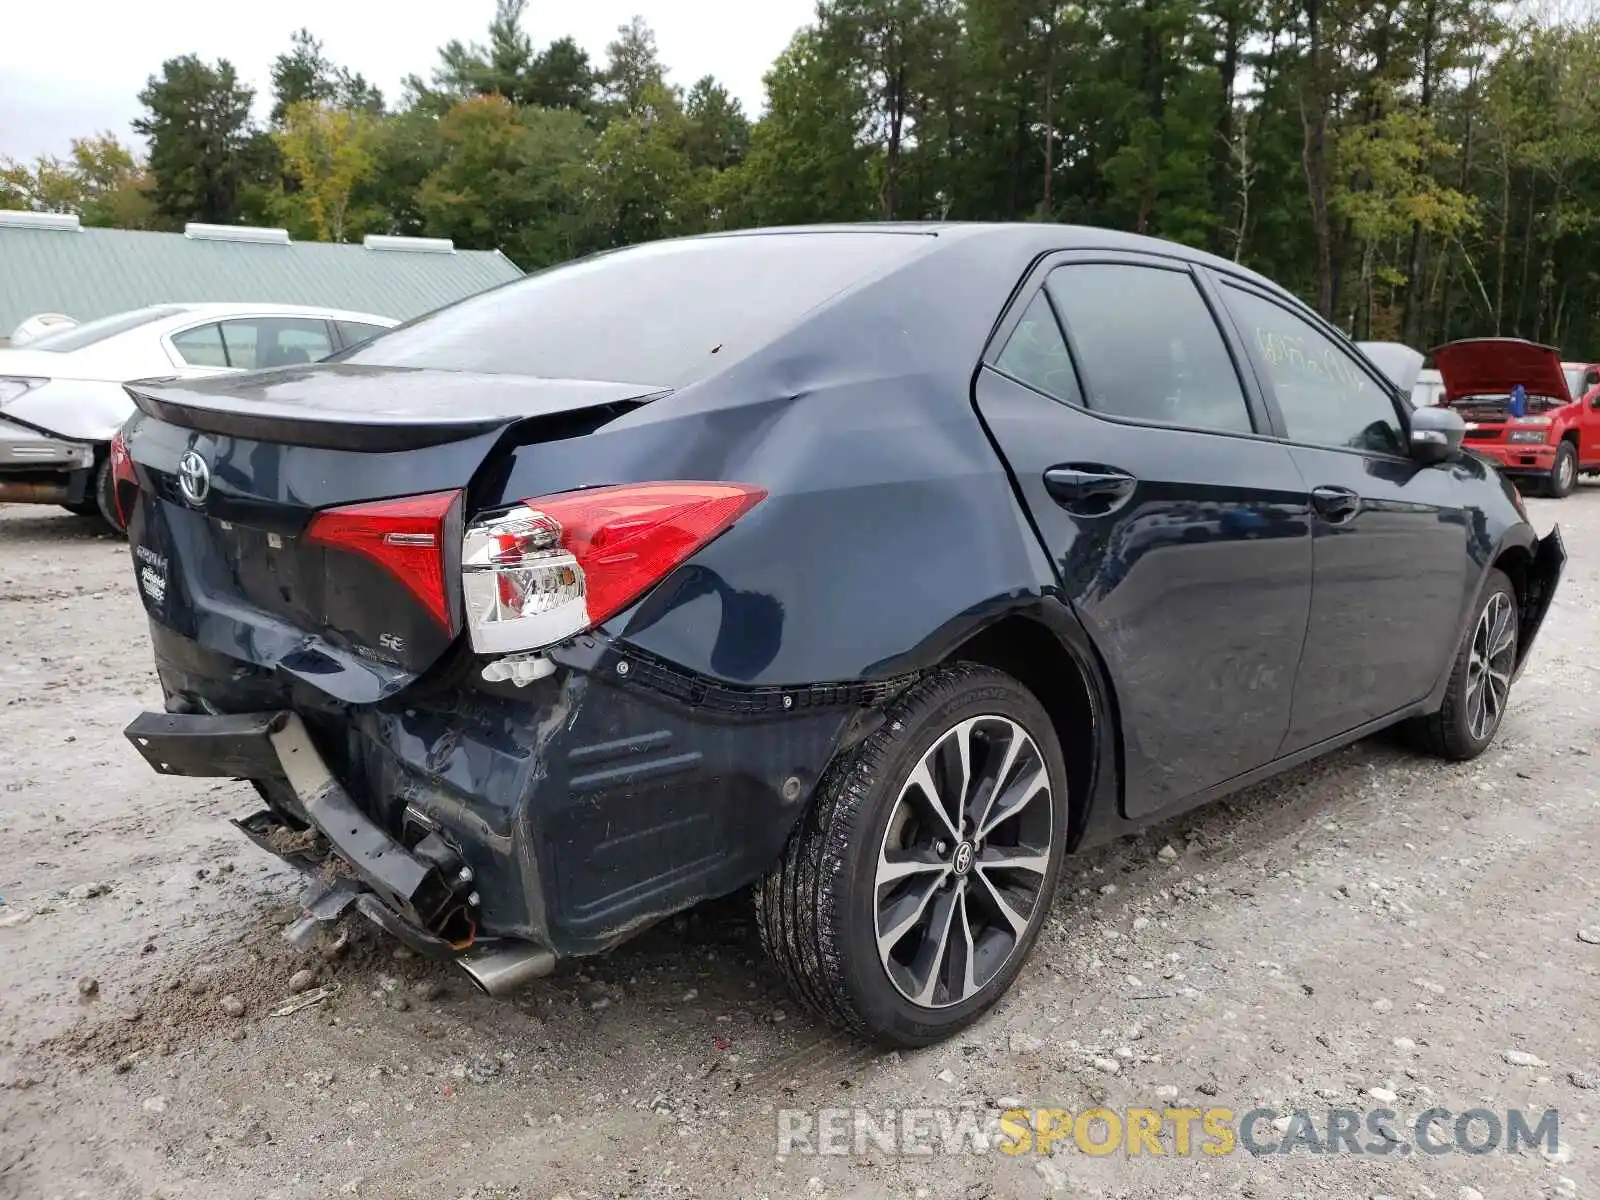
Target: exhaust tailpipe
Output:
[(498, 968)]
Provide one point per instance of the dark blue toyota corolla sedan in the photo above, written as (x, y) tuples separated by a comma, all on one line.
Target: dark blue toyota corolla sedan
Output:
[(873, 568)]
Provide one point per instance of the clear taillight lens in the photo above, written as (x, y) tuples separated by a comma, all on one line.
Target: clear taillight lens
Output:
[(553, 567), (522, 589)]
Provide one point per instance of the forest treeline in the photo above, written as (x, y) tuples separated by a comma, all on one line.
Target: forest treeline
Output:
[(1416, 169)]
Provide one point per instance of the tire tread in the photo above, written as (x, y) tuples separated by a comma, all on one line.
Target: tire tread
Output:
[(1443, 733), (793, 902)]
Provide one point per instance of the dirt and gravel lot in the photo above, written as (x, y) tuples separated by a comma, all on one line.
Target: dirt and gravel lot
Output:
[(1376, 923)]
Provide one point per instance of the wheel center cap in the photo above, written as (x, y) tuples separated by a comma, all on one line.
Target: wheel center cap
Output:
[(962, 862)]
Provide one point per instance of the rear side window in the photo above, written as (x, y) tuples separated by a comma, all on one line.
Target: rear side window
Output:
[(666, 313), (1148, 346), (1326, 398), (1036, 354), (258, 342), (353, 333), (201, 347)]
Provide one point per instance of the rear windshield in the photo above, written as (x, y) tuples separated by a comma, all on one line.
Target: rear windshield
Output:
[(91, 332), (667, 313)]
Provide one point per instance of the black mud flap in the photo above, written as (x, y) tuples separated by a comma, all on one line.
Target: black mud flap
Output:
[(1549, 560)]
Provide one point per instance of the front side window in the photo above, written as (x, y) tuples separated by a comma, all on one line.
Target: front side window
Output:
[(201, 347), (1149, 346), (1326, 397), (257, 342), (1036, 354)]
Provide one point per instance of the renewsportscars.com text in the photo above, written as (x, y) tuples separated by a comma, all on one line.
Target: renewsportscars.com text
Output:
[(1178, 1132)]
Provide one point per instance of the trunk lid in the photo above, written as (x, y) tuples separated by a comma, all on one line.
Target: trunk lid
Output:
[(236, 479)]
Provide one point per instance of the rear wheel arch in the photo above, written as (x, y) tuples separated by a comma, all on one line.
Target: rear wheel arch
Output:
[(1514, 561), (1072, 691), (1516, 564), (820, 909), (1451, 731)]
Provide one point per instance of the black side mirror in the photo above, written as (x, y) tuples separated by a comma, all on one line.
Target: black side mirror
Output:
[(1436, 434)]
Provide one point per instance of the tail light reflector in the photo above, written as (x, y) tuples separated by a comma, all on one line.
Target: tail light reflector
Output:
[(407, 537), (553, 567), (122, 476)]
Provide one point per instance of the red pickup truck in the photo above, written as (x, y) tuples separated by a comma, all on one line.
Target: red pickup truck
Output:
[(1558, 435)]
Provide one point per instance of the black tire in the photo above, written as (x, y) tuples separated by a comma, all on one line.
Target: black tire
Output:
[(818, 910), (1563, 472), (105, 497), (1450, 732)]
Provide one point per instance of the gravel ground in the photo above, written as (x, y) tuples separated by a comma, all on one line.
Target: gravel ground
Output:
[(1376, 930)]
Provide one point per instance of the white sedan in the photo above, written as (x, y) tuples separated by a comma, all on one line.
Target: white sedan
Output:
[(62, 400)]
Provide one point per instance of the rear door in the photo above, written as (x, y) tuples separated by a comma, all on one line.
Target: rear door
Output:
[(1390, 544), (1179, 534)]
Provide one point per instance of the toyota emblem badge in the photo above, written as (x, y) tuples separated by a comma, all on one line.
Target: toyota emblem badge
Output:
[(194, 477)]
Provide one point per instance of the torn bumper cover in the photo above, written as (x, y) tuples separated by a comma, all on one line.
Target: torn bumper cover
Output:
[(569, 814), (422, 894), (1549, 561)]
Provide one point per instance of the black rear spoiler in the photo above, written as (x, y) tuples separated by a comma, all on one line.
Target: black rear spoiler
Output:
[(178, 408), (376, 410)]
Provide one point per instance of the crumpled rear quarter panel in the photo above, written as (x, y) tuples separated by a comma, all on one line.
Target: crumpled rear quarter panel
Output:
[(588, 806)]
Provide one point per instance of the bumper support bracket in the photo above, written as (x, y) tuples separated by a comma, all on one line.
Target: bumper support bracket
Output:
[(422, 896)]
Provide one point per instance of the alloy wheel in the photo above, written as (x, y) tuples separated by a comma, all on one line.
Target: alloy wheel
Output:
[(962, 868), (1569, 471), (1489, 664)]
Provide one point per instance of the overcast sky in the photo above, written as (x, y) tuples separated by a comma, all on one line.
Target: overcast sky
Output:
[(73, 67)]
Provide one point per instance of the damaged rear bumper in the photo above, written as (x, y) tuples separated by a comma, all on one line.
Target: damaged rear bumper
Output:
[(423, 894), (567, 815), (38, 468), (1549, 561)]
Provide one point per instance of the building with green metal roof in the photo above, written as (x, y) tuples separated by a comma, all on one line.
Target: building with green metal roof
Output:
[(50, 263)]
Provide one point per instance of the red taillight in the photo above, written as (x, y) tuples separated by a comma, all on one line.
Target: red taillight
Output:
[(406, 536), (122, 476), (552, 567), (628, 538)]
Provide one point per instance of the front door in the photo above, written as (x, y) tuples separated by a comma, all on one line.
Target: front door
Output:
[(1589, 416), (1388, 542), (1179, 535)]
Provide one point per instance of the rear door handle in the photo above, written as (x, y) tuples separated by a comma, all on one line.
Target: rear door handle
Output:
[(1335, 505), (1089, 490)]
